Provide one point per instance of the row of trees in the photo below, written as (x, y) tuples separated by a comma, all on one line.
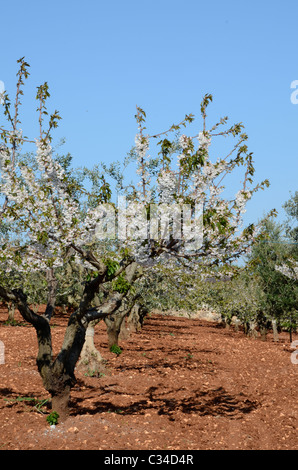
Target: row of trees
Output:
[(61, 228), (262, 295)]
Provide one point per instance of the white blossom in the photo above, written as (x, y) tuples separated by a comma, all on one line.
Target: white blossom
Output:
[(142, 145), (166, 186), (241, 199), (204, 140), (184, 141), (289, 271)]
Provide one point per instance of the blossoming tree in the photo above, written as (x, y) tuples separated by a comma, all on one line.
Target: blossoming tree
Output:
[(173, 211)]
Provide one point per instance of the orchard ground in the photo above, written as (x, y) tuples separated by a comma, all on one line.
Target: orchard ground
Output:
[(179, 384)]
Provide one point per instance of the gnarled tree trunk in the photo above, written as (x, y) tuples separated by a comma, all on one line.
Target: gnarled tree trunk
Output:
[(136, 317), (11, 311), (114, 323), (91, 361)]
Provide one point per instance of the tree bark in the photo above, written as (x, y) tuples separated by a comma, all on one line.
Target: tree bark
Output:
[(252, 329), (91, 361), (136, 317), (60, 403), (275, 331), (114, 323), (11, 311), (263, 333)]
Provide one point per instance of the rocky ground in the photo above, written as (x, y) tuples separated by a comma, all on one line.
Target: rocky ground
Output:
[(179, 384)]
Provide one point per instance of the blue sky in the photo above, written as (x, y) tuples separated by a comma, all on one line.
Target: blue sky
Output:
[(101, 59)]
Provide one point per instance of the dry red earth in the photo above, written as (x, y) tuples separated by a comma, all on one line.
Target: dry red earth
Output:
[(179, 384)]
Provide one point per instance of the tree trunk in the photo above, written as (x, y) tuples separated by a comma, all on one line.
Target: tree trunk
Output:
[(252, 331), (91, 361), (136, 317), (291, 334), (11, 311), (60, 403), (246, 327), (58, 375), (114, 324), (275, 331), (263, 333), (237, 324)]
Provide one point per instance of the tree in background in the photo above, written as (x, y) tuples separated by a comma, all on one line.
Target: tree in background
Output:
[(291, 208), (269, 260)]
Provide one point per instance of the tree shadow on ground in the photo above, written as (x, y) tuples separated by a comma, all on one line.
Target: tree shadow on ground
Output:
[(214, 402), (23, 403)]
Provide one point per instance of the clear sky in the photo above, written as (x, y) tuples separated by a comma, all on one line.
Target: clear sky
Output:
[(102, 58)]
